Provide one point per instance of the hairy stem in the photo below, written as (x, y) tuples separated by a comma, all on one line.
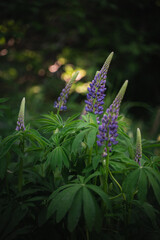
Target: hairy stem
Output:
[(20, 174), (124, 197), (87, 234), (90, 156), (106, 171)]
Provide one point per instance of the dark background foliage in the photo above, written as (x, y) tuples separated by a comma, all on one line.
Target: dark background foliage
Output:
[(34, 34)]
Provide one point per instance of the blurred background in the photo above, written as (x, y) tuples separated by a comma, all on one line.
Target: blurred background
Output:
[(43, 42)]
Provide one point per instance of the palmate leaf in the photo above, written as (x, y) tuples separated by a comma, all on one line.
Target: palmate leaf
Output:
[(65, 201), (70, 119), (35, 137), (11, 216), (7, 143), (139, 180), (57, 158), (91, 137), (3, 167), (71, 199), (50, 122), (89, 209), (77, 141), (101, 193), (148, 210), (62, 201), (130, 183), (75, 211), (95, 161), (95, 174), (154, 181), (142, 185)]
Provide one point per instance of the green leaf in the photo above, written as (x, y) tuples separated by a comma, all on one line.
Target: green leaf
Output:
[(88, 208), (7, 143), (130, 183), (142, 185), (3, 167), (92, 176), (53, 195), (75, 211), (56, 160), (100, 192), (35, 136), (155, 185), (65, 158), (95, 161), (65, 201), (150, 212), (91, 137), (154, 172), (50, 122), (51, 161), (77, 141), (92, 118), (98, 217), (58, 197), (70, 119), (2, 100)]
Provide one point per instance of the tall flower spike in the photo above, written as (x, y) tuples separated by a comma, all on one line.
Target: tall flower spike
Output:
[(96, 95), (138, 154), (60, 104), (108, 128), (20, 122)]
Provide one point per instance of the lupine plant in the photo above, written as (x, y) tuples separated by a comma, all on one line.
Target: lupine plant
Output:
[(82, 177)]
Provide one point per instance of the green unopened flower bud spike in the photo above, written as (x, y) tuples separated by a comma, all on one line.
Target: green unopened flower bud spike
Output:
[(20, 122), (138, 154)]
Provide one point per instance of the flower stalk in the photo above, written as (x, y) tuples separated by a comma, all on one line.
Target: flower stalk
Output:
[(109, 124), (60, 104), (20, 174), (138, 154), (21, 127), (96, 91), (108, 131), (20, 121)]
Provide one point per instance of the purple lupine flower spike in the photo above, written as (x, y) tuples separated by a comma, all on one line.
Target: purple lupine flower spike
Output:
[(96, 95), (109, 124), (20, 122), (60, 104), (138, 154)]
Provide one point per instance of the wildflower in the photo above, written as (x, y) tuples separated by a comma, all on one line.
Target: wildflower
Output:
[(109, 124), (60, 104), (138, 154), (20, 122), (96, 95)]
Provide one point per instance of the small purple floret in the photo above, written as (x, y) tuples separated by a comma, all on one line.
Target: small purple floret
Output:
[(62, 100), (20, 124), (96, 91), (109, 124), (96, 94)]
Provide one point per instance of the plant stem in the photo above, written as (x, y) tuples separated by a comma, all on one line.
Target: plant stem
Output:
[(90, 156), (87, 234), (106, 171), (58, 111), (20, 175), (124, 197)]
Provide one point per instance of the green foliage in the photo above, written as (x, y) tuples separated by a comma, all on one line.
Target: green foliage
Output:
[(56, 181), (56, 158), (71, 198)]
